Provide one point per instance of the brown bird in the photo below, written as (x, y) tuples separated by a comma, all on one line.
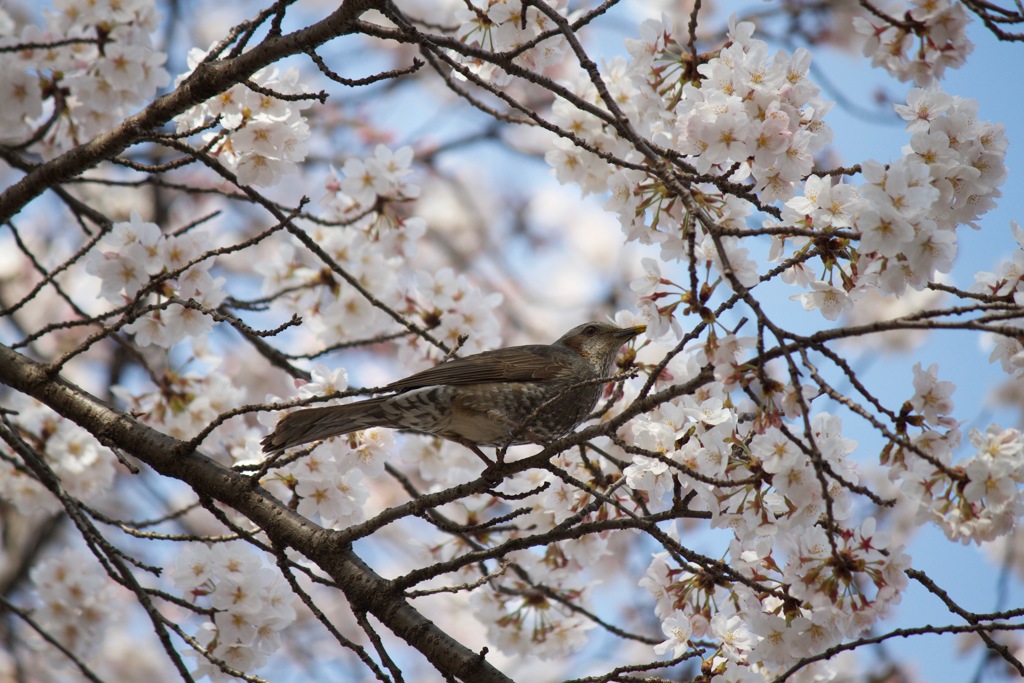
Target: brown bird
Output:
[(516, 395)]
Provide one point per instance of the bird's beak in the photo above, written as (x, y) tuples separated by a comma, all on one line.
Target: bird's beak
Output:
[(630, 332)]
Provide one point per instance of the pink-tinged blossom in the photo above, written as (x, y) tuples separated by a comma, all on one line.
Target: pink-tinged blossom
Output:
[(651, 279), (101, 86), (76, 600), (521, 621), (84, 467), (885, 233), (733, 634), (923, 106), (251, 601), (502, 26), (22, 98), (333, 494), (906, 212), (372, 451), (121, 273), (677, 630), (260, 138), (132, 253), (774, 450), (827, 298), (932, 397), (822, 205), (1006, 281)]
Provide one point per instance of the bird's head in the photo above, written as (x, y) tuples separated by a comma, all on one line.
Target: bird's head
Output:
[(599, 343)]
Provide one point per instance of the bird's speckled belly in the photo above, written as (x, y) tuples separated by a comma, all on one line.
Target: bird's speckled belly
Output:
[(526, 412)]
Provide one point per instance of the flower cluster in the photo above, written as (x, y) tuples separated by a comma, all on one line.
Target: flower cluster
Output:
[(921, 44), (186, 402), (822, 591), (978, 500), (693, 440), (262, 133), (753, 109), (1008, 283), (748, 113), (949, 176), (907, 212), (771, 489), (503, 26), (93, 84), (328, 483), (84, 467), (366, 187), (522, 616), (701, 424), (331, 307), (128, 258), (76, 599), (459, 307), (974, 500), (251, 603), (526, 619), (374, 246), (744, 113)]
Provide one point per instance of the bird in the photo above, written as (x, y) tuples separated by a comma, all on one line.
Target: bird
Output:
[(515, 395)]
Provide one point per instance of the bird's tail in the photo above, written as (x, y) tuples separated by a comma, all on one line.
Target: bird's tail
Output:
[(313, 424)]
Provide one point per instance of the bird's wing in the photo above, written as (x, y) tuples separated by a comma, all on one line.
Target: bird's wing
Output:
[(512, 364)]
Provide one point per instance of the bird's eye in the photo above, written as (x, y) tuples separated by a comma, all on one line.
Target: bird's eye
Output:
[(590, 330)]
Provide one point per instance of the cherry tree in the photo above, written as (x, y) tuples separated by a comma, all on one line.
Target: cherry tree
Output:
[(212, 214)]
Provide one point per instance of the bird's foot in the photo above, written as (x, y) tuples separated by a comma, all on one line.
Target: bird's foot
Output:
[(476, 450), (480, 454)]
